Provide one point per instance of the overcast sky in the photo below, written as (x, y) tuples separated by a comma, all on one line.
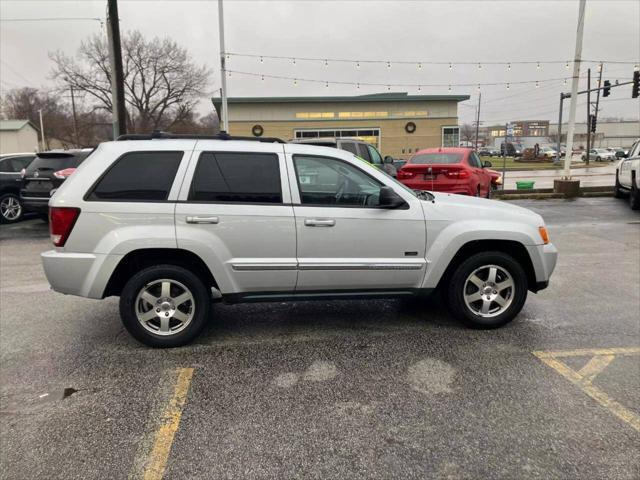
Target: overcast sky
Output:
[(452, 31)]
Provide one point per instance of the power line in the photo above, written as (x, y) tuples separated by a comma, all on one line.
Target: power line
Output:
[(15, 72), (65, 19)]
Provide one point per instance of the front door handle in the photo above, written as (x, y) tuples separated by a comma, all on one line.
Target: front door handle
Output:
[(195, 219), (319, 222)]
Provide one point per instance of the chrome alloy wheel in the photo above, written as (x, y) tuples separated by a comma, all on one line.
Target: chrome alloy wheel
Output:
[(165, 307), (10, 208), (489, 291)]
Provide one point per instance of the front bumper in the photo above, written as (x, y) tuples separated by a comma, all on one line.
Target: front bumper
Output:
[(81, 274), (544, 259)]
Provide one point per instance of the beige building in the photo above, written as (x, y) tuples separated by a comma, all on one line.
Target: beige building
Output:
[(398, 124), (18, 136)]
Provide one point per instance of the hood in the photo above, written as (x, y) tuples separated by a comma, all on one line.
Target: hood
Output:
[(462, 207)]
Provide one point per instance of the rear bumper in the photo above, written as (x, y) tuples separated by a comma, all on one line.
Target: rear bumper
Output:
[(35, 204), (81, 274)]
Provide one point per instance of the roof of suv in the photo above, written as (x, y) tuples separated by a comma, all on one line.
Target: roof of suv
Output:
[(325, 140)]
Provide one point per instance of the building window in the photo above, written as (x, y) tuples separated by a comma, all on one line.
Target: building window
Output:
[(450, 136), (363, 114), (314, 115), (369, 135)]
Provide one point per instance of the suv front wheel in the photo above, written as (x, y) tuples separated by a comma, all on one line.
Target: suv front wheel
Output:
[(487, 290), (164, 306)]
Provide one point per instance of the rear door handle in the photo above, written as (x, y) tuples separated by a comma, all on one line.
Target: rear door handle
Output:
[(191, 219), (319, 222)]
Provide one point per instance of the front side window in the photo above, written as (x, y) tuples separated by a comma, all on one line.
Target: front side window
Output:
[(376, 158), (138, 176), (328, 181), (236, 177)]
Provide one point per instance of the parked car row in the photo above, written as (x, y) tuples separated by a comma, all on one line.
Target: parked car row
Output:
[(600, 155)]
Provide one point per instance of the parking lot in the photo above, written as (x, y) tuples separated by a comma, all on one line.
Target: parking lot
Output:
[(342, 389)]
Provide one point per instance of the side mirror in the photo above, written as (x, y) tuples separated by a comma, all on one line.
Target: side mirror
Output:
[(388, 159), (487, 164), (388, 198)]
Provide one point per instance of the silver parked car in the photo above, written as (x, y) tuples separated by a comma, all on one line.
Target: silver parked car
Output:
[(600, 155), (169, 223)]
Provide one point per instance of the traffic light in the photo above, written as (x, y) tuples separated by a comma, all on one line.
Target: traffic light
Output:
[(607, 88), (593, 122), (636, 84)]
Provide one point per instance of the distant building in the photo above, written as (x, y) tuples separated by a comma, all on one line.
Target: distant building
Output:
[(525, 132), (398, 124), (18, 136), (620, 133)]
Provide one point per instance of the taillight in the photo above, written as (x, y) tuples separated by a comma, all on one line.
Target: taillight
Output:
[(458, 173), (61, 221), (403, 174), (62, 174)]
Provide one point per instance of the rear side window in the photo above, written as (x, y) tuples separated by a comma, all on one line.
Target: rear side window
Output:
[(138, 176), (349, 147), (237, 177)]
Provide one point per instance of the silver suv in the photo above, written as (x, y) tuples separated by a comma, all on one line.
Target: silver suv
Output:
[(170, 223)]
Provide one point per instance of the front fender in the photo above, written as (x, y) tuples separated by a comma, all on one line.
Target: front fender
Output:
[(444, 243)]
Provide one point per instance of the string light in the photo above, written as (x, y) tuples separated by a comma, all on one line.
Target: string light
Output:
[(261, 60), (565, 82), (295, 82), (478, 87), (537, 84), (227, 56), (326, 63), (450, 67), (294, 61), (389, 87), (509, 67), (358, 86), (479, 66), (449, 87), (388, 64), (326, 85), (420, 66), (507, 86), (262, 78), (358, 64), (566, 65), (419, 88), (538, 66)]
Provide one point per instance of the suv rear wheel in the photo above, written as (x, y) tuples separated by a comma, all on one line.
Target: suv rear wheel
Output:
[(164, 306), (487, 290)]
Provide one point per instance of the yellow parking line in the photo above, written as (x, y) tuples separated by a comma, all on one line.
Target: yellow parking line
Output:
[(582, 352), (169, 423), (601, 358)]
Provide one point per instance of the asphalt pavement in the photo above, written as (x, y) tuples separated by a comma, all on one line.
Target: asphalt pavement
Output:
[(593, 176), (341, 389)]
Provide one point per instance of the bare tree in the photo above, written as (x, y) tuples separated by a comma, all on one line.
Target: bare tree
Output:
[(467, 132), (162, 84)]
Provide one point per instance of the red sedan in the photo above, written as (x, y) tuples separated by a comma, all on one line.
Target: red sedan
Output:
[(451, 170)]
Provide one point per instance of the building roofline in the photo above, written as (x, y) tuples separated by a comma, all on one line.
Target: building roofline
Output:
[(377, 97), (15, 125)]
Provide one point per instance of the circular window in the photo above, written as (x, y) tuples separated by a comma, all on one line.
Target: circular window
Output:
[(257, 130), (410, 127)]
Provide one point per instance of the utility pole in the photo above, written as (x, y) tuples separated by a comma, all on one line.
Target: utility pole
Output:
[(574, 89), (223, 69), (588, 115), (117, 75), (559, 152), (601, 67), (478, 120), (43, 142), (75, 118)]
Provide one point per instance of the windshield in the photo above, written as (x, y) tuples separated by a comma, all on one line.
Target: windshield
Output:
[(436, 158)]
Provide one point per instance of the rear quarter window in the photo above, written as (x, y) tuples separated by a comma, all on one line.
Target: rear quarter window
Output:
[(138, 176)]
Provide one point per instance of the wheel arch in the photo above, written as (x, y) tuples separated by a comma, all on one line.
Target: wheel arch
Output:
[(511, 247), (139, 259)]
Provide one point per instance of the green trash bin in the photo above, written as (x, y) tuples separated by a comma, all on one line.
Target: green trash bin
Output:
[(527, 185)]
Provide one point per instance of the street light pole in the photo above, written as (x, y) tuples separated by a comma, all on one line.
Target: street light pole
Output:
[(75, 118), (478, 120), (574, 89), (559, 152), (223, 69)]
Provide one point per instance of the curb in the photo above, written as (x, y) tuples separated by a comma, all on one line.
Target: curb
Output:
[(544, 193)]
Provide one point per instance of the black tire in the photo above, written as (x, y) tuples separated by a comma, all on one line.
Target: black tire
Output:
[(458, 285), (617, 191), (11, 208), (201, 303), (634, 196), (478, 191), (598, 159)]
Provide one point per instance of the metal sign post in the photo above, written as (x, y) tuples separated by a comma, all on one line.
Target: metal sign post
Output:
[(508, 132)]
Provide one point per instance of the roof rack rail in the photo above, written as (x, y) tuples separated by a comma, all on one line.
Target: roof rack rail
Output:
[(157, 134)]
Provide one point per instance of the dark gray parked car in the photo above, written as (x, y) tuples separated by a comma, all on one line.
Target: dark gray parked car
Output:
[(364, 150)]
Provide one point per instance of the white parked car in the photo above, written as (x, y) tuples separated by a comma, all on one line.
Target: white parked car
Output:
[(628, 177), (600, 155), (170, 223)]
